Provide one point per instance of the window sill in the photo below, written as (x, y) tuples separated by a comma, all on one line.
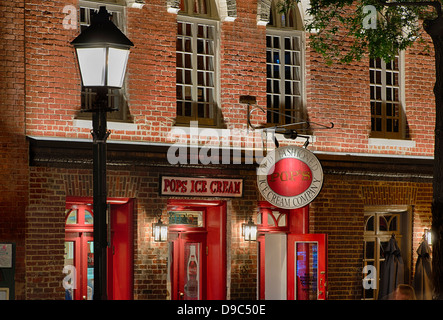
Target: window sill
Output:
[(378, 142), (87, 124)]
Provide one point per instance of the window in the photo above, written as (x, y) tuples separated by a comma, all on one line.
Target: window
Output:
[(381, 223), (196, 63), (116, 97), (284, 62), (385, 94)]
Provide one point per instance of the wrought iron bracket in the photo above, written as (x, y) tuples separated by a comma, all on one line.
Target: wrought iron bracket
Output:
[(252, 106)]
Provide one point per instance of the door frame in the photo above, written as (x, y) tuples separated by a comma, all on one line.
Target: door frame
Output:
[(215, 220), (129, 269), (297, 228)]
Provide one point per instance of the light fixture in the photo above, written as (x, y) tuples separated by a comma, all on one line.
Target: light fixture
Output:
[(249, 231), (102, 52), (160, 231), (428, 236)]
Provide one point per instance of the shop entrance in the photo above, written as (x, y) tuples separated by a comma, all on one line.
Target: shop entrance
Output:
[(189, 277), (79, 249), (197, 250), (292, 263)]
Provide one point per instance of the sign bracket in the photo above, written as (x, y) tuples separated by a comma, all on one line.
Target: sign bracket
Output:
[(283, 129)]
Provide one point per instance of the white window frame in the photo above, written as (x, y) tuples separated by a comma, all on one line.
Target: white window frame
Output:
[(384, 134), (297, 115), (215, 120)]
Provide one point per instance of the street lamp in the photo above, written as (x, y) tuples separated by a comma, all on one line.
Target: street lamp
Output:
[(102, 52)]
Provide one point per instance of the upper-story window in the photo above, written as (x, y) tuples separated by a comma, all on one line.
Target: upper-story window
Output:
[(116, 97), (196, 63), (386, 101), (285, 63)]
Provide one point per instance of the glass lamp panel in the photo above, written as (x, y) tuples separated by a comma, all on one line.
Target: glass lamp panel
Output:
[(250, 232), (160, 232), (92, 63), (89, 219), (117, 60)]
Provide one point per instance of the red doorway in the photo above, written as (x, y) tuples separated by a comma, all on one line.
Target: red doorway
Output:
[(79, 253), (287, 253), (197, 250)]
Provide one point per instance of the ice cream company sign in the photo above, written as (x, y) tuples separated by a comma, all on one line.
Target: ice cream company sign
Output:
[(290, 177), (201, 187)]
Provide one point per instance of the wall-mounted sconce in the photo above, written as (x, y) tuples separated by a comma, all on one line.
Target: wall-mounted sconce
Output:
[(249, 231), (428, 236), (160, 231)]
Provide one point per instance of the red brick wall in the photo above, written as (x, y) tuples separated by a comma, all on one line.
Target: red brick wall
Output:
[(338, 211), (334, 93), (45, 234), (242, 65), (151, 71), (52, 80), (13, 146)]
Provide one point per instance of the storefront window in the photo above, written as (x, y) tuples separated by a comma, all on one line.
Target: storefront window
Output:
[(186, 218), (72, 217)]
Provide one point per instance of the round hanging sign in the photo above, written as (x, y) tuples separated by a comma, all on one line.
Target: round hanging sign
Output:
[(290, 177)]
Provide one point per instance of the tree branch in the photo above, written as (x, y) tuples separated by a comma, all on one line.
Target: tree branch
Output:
[(435, 4)]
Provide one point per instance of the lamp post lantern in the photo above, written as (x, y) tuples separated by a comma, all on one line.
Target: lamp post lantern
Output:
[(102, 52)]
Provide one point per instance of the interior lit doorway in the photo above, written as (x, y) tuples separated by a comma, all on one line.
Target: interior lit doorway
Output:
[(292, 263), (196, 250)]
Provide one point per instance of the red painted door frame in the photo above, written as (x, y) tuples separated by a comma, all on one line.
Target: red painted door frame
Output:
[(214, 281), (297, 231), (120, 253), (297, 223)]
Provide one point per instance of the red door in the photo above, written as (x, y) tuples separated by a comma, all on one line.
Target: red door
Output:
[(120, 252), (188, 265), (307, 267), (198, 241)]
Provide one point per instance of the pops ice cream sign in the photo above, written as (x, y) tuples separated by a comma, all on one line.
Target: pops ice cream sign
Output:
[(290, 177)]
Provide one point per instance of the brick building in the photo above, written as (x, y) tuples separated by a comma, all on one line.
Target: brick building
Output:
[(191, 63)]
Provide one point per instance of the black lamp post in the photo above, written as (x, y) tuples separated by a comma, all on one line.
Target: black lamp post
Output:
[(102, 53)]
